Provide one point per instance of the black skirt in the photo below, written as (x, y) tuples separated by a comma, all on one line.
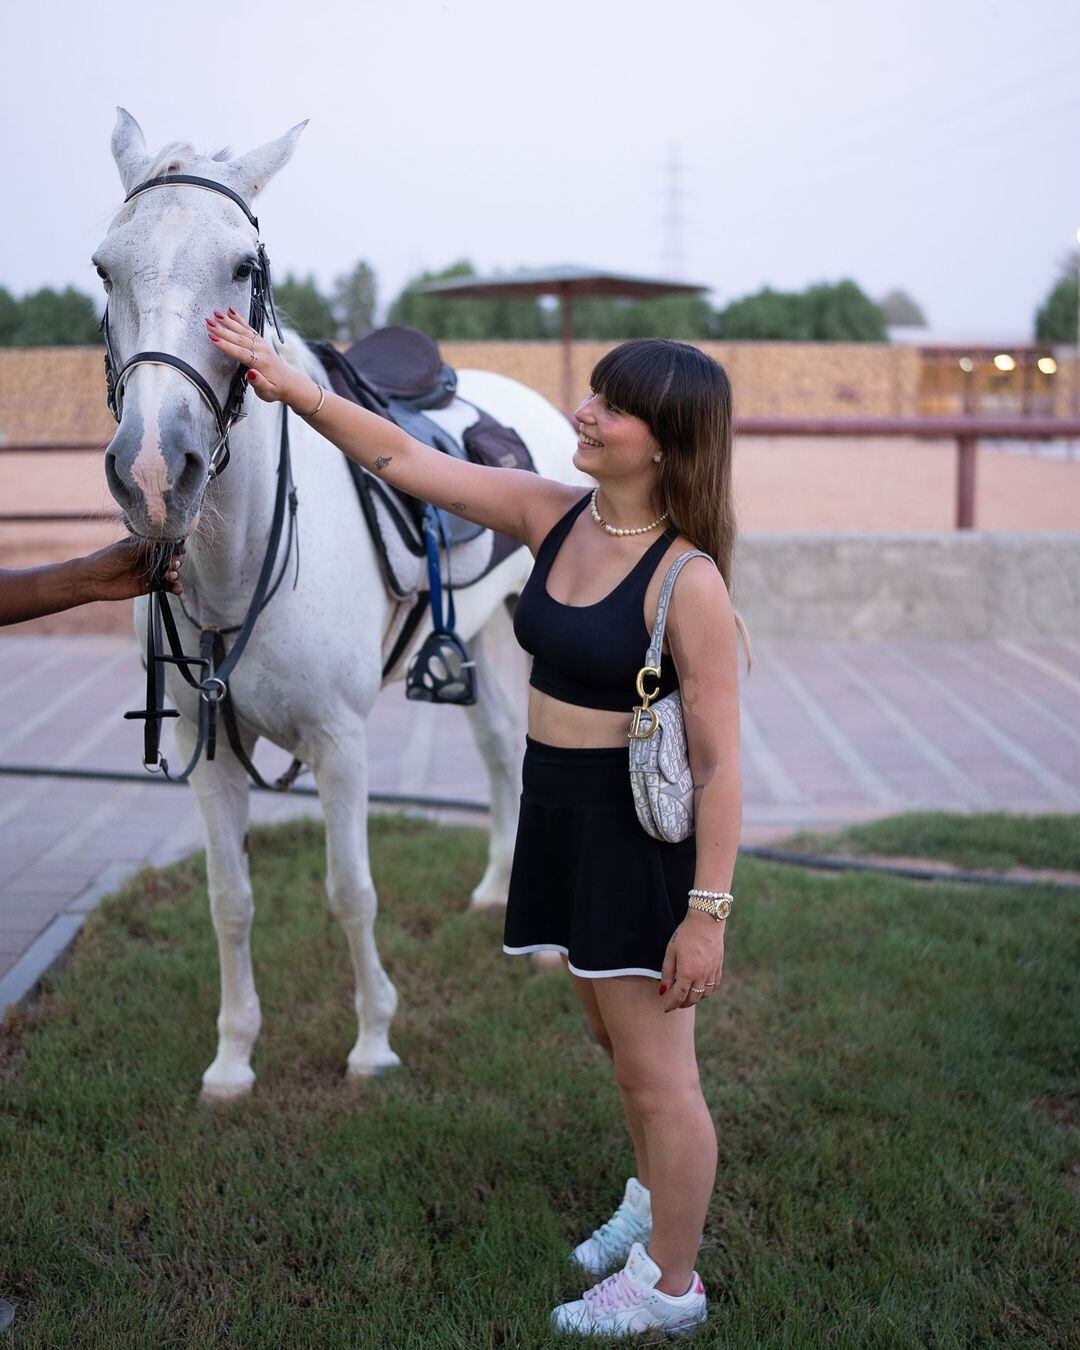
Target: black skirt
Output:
[(586, 879)]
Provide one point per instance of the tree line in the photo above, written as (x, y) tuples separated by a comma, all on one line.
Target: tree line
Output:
[(828, 311)]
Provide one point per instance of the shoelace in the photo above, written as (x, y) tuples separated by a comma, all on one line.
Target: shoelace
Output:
[(617, 1291), (619, 1231)]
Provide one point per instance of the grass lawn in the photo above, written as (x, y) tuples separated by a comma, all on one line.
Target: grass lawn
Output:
[(992, 842), (892, 1067)]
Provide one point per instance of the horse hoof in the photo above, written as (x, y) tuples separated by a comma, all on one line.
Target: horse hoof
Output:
[(484, 904), (360, 1073), (220, 1094)]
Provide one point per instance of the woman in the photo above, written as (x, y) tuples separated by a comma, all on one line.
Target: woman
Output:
[(587, 881)]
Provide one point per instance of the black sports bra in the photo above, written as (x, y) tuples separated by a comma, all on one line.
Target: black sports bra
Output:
[(589, 654)]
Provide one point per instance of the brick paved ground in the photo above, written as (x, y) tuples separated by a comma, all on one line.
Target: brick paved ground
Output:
[(832, 732)]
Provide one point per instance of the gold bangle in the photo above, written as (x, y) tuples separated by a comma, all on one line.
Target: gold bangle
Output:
[(318, 406)]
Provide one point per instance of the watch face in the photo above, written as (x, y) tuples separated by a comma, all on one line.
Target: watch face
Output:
[(723, 909)]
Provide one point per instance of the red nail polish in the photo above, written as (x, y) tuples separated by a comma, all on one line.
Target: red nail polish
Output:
[(210, 323), (218, 314), (662, 990), (231, 311), (214, 339), (252, 376)]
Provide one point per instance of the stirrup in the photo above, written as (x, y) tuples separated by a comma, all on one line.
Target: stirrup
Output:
[(441, 671)]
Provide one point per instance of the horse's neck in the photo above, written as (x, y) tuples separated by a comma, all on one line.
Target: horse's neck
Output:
[(225, 552)]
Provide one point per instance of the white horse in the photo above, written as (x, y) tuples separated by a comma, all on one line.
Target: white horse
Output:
[(313, 668)]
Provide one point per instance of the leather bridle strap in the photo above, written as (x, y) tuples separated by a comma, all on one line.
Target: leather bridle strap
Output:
[(262, 302), (215, 668), (193, 180)]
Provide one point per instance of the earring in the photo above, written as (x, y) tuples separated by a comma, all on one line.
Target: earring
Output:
[(656, 459)]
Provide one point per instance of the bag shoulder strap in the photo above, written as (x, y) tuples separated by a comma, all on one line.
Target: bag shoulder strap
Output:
[(656, 645)]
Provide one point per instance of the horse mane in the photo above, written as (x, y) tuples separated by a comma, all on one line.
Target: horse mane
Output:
[(295, 352)]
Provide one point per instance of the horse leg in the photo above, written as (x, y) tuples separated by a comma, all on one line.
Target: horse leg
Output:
[(222, 791), (499, 737), (341, 775)]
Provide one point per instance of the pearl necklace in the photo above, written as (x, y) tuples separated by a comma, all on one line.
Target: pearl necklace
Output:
[(614, 529)]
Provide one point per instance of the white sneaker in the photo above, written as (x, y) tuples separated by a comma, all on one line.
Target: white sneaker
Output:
[(628, 1303), (610, 1244)]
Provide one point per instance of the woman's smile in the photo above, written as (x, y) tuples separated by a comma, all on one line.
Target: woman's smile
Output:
[(585, 439)]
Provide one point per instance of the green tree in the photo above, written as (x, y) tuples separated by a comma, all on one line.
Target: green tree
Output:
[(303, 306), (767, 315), (465, 320), (826, 312), (841, 312), (48, 318), (9, 318), (354, 302), (673, 316), (1055, 319)]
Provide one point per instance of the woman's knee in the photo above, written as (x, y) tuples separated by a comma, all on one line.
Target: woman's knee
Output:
[(657, 1089)]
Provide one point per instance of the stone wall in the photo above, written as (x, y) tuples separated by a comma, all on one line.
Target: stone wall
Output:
[(956, 585), (58, 393), (770, 379)]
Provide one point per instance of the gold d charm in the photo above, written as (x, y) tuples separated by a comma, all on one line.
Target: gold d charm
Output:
[(640, 731)]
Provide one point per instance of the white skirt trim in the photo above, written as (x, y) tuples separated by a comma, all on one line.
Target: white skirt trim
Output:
[(583, 974)]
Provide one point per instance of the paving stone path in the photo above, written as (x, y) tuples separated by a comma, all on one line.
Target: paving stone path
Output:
[(832, 732)]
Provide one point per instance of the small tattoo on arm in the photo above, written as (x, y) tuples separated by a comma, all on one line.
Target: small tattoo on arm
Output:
[(381, 463), (458, 506)]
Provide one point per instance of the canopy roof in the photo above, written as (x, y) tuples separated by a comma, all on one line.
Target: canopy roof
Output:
[(564, 280)]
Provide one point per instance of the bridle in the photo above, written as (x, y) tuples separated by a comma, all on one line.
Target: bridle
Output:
[(214, 664), (262, 301)]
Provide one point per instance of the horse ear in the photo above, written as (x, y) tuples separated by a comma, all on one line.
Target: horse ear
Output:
[(255, 169), (129, 149)]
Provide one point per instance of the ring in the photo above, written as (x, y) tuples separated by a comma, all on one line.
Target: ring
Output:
[(711, 984), (696, 991), (252, 361)]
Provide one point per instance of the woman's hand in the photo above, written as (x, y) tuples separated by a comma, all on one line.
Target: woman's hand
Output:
[(273, 379), (693, 962)]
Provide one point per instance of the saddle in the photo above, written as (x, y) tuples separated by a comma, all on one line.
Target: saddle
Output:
[(398, 373)]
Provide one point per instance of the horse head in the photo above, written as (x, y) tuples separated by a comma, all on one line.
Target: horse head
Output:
[(171, 257)]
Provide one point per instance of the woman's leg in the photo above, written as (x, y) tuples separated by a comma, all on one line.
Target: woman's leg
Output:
[(656, 1069), (586, 992)]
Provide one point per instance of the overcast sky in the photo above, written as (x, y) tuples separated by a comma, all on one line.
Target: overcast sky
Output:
[(932, 145)]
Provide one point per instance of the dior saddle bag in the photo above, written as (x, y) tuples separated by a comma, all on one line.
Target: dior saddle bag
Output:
[(660, 777)]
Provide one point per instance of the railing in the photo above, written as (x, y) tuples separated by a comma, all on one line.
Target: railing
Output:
[(966, 432)]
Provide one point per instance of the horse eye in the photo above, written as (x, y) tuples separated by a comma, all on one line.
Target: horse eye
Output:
[(103, 275), (244, 270)]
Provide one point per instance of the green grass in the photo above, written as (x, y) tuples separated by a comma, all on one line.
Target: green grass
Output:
[(992, 842), (892, 1068)]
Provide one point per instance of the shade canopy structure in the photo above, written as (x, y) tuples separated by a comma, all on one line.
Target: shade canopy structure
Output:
[(567, 283)]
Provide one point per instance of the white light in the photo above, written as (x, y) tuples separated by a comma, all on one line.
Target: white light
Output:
[(1004, 361), (967, 365), (1047, 365)]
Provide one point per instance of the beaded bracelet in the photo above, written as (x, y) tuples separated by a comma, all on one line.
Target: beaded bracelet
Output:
[(711, 895)]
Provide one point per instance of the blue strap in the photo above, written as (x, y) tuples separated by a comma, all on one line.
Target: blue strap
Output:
[(434, 530)]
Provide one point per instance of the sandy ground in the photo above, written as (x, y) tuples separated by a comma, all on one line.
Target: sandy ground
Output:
[(782, 485)]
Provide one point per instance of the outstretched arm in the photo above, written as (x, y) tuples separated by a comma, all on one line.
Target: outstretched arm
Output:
[(501, 499), (118, 572)]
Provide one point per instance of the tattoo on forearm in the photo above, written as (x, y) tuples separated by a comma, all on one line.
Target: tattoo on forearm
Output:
[(381, 463), (460, 507)]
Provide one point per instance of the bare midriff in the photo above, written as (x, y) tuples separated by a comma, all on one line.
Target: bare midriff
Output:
[(554, 722)]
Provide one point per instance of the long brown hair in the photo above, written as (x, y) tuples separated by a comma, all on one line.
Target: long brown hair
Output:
[(684, 397)]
